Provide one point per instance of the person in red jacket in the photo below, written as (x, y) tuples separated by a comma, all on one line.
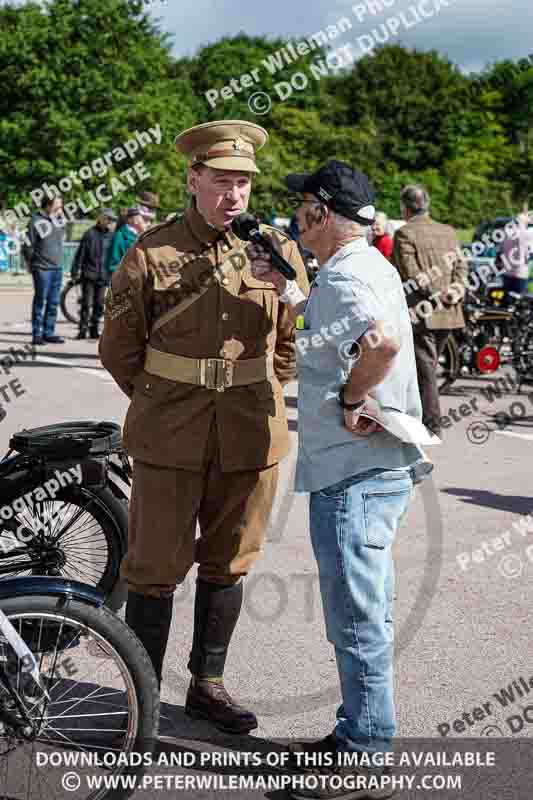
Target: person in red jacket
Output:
[(381, 241)]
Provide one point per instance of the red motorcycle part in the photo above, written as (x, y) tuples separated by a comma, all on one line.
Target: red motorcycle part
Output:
[(487, 360)]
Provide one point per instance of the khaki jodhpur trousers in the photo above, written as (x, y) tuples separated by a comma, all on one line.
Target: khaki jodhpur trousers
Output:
[(232, 508)]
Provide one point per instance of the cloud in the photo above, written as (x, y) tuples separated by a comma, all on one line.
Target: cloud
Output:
[(471, 33)]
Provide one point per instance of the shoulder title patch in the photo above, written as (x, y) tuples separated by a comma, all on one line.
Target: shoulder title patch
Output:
[(161, 225)]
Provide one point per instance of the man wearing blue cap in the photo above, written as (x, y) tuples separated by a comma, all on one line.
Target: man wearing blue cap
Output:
[(354, 344)]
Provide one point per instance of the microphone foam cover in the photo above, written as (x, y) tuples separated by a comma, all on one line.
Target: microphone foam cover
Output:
[(243, 225)]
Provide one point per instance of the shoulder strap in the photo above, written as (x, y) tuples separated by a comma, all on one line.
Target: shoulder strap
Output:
[(216, 275), (158, 227), (182, 306)]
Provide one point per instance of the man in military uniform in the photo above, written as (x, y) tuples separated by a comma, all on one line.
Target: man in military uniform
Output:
[(202, 348)]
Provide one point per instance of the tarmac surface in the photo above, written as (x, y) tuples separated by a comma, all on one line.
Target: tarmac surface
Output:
[(463, 556)]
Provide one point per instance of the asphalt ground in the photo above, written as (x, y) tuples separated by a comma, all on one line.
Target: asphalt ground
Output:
[(463, 574)]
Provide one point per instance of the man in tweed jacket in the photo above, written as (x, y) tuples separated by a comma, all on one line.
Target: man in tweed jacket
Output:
[(429, 260)]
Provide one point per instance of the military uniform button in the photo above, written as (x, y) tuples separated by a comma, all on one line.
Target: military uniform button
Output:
[(148, 386), (224, 248), (225, 316), (225, 281), (222, 352)]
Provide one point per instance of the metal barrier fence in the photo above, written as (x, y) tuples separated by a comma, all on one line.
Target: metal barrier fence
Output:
[(16, 265)]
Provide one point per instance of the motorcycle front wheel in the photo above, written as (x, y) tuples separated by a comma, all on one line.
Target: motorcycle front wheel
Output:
[(96, 731)]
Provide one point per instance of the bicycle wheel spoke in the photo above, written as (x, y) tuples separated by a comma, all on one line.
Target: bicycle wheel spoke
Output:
[(65, 543), (94, 709), (105, 714), (69, 740), (96, 699), (75, 518), (90, 567), (84, 554), (75, 533)]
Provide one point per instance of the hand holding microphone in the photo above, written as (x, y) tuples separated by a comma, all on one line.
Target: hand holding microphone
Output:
[(246, 227), (267, 264), (263, 269)]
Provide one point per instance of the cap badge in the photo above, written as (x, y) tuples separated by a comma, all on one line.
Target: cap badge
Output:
[(238, 144), (324, 195)]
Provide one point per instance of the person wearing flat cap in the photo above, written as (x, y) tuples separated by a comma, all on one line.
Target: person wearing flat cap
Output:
[(149, 204), (353, 342), (202, 348)]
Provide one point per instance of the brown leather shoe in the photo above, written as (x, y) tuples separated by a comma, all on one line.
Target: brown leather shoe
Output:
[(210, 701)]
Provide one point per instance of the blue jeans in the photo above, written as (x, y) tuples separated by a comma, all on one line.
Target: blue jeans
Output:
[(47, 285), (353, 524)]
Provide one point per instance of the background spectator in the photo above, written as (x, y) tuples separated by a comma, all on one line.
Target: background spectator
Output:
[(89, 264), (43, 252), (6, 246), (381, 239), (149, 204), (514, 255), (426, 255), (136, 223)]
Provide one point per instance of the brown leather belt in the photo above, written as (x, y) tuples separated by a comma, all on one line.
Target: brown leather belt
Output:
[(213, 373)]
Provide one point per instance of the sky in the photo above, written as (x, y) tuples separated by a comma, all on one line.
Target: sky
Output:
[(471, 33)]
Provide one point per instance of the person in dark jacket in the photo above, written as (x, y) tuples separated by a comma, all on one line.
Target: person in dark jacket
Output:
[(43, 253), (89, 263)]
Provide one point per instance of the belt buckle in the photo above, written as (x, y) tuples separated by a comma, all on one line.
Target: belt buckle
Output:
[(218, 374)]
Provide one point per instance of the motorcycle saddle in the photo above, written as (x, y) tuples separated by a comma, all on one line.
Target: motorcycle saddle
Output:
[(68, 439)]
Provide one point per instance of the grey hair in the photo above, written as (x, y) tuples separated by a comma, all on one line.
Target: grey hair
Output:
[(415, 199), (345, 226)]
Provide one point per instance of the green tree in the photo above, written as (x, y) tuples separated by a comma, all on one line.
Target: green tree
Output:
[(509, 86), (79, 79), (81, 76), (215, 65)]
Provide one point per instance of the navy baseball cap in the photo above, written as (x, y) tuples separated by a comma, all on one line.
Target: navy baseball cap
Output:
[(341, 187)]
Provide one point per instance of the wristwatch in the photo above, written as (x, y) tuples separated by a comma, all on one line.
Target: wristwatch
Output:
[(349, 406)]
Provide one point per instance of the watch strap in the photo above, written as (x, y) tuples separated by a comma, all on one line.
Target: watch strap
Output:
[(349, 406)]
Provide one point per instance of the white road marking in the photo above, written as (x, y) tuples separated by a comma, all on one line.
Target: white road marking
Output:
[(52, 360), (102, 374), (528, 436), (58, 361)]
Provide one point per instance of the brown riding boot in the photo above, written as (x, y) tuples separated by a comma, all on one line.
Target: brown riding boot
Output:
[(150, 619), (216, 611), (209, 700)]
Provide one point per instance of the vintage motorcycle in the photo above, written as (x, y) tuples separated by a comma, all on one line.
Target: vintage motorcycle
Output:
[(80, 529), (490, 339), (74, 679), (74, 682)]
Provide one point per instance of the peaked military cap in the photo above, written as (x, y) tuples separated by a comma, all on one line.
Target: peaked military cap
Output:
[(228, 144)]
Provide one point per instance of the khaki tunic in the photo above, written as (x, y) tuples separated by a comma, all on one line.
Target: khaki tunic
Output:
[(168, 423), (171, 425)]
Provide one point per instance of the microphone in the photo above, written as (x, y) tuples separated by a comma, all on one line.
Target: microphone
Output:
[(246, 228)]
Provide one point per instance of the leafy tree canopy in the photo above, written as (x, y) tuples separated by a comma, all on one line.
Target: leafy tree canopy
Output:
[(81, 76)]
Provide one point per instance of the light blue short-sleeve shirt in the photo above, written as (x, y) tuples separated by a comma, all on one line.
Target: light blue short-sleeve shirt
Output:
[(354, 287)]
